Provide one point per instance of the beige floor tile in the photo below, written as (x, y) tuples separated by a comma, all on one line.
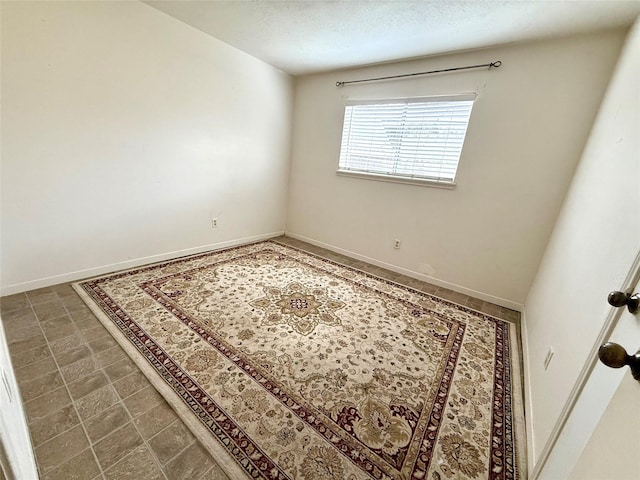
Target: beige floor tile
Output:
[(33, 388), (75, 305), (85, 321), (474, 303), (107, 421), (13, 302), (58, 328), (155, 420), (66, 343), (34, 341), (79, 369), (20, 334), (491, 309), (139, 465), (21, 318), (88, 384), (63, 289), (31, 356), (61, 449), (36, 369), (41, 295), (215, 473), (511, 315), (93, 333), (142, 401), (117, 445), (170, 441), (53, 424), (110, 356), (459, 298), (49, 310), (131, 384), (102, 344), (40, 407), (192, 463), (72, 355), (428, 288), (121, 369), (80, 467), (96, 402)]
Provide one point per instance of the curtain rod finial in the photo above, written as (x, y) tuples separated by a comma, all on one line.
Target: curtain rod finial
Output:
[(339, 84), (496, 64)]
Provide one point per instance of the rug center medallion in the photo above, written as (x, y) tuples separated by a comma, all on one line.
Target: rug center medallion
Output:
[(300, 307)]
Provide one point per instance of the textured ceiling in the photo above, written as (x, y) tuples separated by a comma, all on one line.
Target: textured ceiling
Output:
[(302, 37)]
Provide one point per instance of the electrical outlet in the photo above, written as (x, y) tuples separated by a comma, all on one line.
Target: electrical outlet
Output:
[(548, 357), (214, 223), (396, 244)]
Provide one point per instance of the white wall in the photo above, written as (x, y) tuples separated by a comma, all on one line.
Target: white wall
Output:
[(487, 236), (124, 131), (606, 456), (591, 250)]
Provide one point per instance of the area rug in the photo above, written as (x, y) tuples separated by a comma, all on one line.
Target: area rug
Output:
[(289, 366)]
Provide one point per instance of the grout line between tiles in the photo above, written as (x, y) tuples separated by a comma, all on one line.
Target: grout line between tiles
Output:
[(40, 472), (144, 442), (195, 440), (73, 404), (132, 421)]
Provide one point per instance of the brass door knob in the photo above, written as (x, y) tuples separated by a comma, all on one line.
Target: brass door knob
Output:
[(620, 299), (615, 356)]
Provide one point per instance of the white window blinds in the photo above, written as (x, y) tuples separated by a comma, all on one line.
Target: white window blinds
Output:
[(410, 138)]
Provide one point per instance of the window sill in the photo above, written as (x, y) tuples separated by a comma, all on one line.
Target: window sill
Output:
[(424, 182)]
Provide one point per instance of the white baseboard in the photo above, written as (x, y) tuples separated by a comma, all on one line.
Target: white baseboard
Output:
[(137, 262), (410, 273)]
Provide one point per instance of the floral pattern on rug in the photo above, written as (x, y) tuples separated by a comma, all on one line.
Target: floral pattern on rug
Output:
[(306, 369)]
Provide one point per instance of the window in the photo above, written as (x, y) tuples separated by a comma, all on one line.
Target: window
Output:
[(408, 140)]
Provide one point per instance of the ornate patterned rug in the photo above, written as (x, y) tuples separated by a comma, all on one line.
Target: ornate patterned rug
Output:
[(290, 366)]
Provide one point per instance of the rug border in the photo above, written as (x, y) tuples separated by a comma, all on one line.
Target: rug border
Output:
[(228, 463), (220, 456)]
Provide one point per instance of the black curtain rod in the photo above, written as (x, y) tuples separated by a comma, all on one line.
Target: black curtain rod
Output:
[(495, 64)]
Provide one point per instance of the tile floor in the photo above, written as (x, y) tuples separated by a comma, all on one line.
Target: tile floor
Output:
[(91, 412)]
